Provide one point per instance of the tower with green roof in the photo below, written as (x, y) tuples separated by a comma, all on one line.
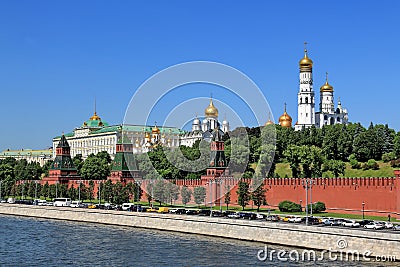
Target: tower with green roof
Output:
[(124, 166)]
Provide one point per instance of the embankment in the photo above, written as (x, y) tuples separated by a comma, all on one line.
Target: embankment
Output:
[(310, 237)]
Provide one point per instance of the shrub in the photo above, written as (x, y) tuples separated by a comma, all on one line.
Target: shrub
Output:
[(372, 164), (289, 206), (317, 207), (388, 157), (354, 162), (395, 163)]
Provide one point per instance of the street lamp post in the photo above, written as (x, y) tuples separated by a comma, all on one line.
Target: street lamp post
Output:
[(35, 190), (211, 182), (138, 190), (311, 206), (23, 187), (301, 206), (56, 189), (79, 190), (99, 182), (363, 206)]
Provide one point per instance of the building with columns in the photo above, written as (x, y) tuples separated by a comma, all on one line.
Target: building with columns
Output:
[(96, 135)]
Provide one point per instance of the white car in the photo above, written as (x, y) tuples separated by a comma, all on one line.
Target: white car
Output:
[(388, 225), (260, 216), (234, 215), (295, 220), (350, 223), (75, 204), (374, 225)]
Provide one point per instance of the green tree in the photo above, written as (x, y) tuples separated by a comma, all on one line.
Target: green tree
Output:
[(243, 194), (95, 167), (258, 196), (78, 162), (199, 194), (186, 194), (337, 167)]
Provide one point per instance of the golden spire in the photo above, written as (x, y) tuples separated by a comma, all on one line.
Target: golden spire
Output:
[(95, 117), (326, 87), (305, 63)]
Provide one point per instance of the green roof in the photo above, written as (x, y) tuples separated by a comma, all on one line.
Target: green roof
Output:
[(27, 152), (129, 128), (94, 123)]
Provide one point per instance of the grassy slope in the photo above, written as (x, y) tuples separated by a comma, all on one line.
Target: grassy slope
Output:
[(385, 170)]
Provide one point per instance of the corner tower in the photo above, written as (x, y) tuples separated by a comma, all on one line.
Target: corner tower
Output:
[(305, 97)]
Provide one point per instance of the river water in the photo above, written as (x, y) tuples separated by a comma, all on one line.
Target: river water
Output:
[(39, 242)]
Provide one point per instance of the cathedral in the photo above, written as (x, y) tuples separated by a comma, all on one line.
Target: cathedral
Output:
[(306, 115), (203, 129)]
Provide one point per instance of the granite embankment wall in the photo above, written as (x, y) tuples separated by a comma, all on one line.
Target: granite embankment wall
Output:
[(310, 237)]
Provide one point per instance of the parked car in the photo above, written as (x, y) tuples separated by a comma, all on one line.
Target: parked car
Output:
[(217, 213), (247, 215), (295, 220), (151, 209), (396, 227), (75, 204), (364, 222), (311, 220), (336, 222), (350, 223), (273, 218), (374, 225), (11, 200), (387, 225), (260, 216), (91, 206), (192, 212), (162, 210), (286, 218), (235, 215), (204, 212)]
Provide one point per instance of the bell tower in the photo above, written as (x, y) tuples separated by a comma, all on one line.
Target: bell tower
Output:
[(305, 97)]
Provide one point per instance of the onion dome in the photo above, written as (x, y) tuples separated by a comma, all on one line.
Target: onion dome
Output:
[(269, 122), (326, 87), (305, 63), (211, 110), (196, 121), (94, 121), (147, 135), (155, 130), (285, 120)]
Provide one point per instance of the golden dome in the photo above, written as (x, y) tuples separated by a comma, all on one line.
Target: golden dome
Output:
[(147, 135), (285, 120), (95, 117), (305, 63), (269, 122), (155, 130), (326, 87), (211, 111)]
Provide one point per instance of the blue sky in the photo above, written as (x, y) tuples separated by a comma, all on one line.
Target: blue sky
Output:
[(57, 56)]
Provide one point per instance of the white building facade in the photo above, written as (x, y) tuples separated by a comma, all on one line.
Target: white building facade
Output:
[(306, 115)]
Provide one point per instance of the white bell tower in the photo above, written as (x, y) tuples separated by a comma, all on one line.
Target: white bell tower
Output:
[(305, 97)]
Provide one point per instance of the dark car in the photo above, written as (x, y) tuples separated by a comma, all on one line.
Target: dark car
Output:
[(248, 215), (204, 213), (227, 212), (365, 222), (311, 220), (180, 211), (191, 212), (217, 213)]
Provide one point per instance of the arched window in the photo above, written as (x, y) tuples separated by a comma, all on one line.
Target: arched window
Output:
[(332, 121), (325, 117), (338, 119), (306, 100)]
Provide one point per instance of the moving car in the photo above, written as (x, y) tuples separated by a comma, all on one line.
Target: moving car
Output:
[(374, 225)]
